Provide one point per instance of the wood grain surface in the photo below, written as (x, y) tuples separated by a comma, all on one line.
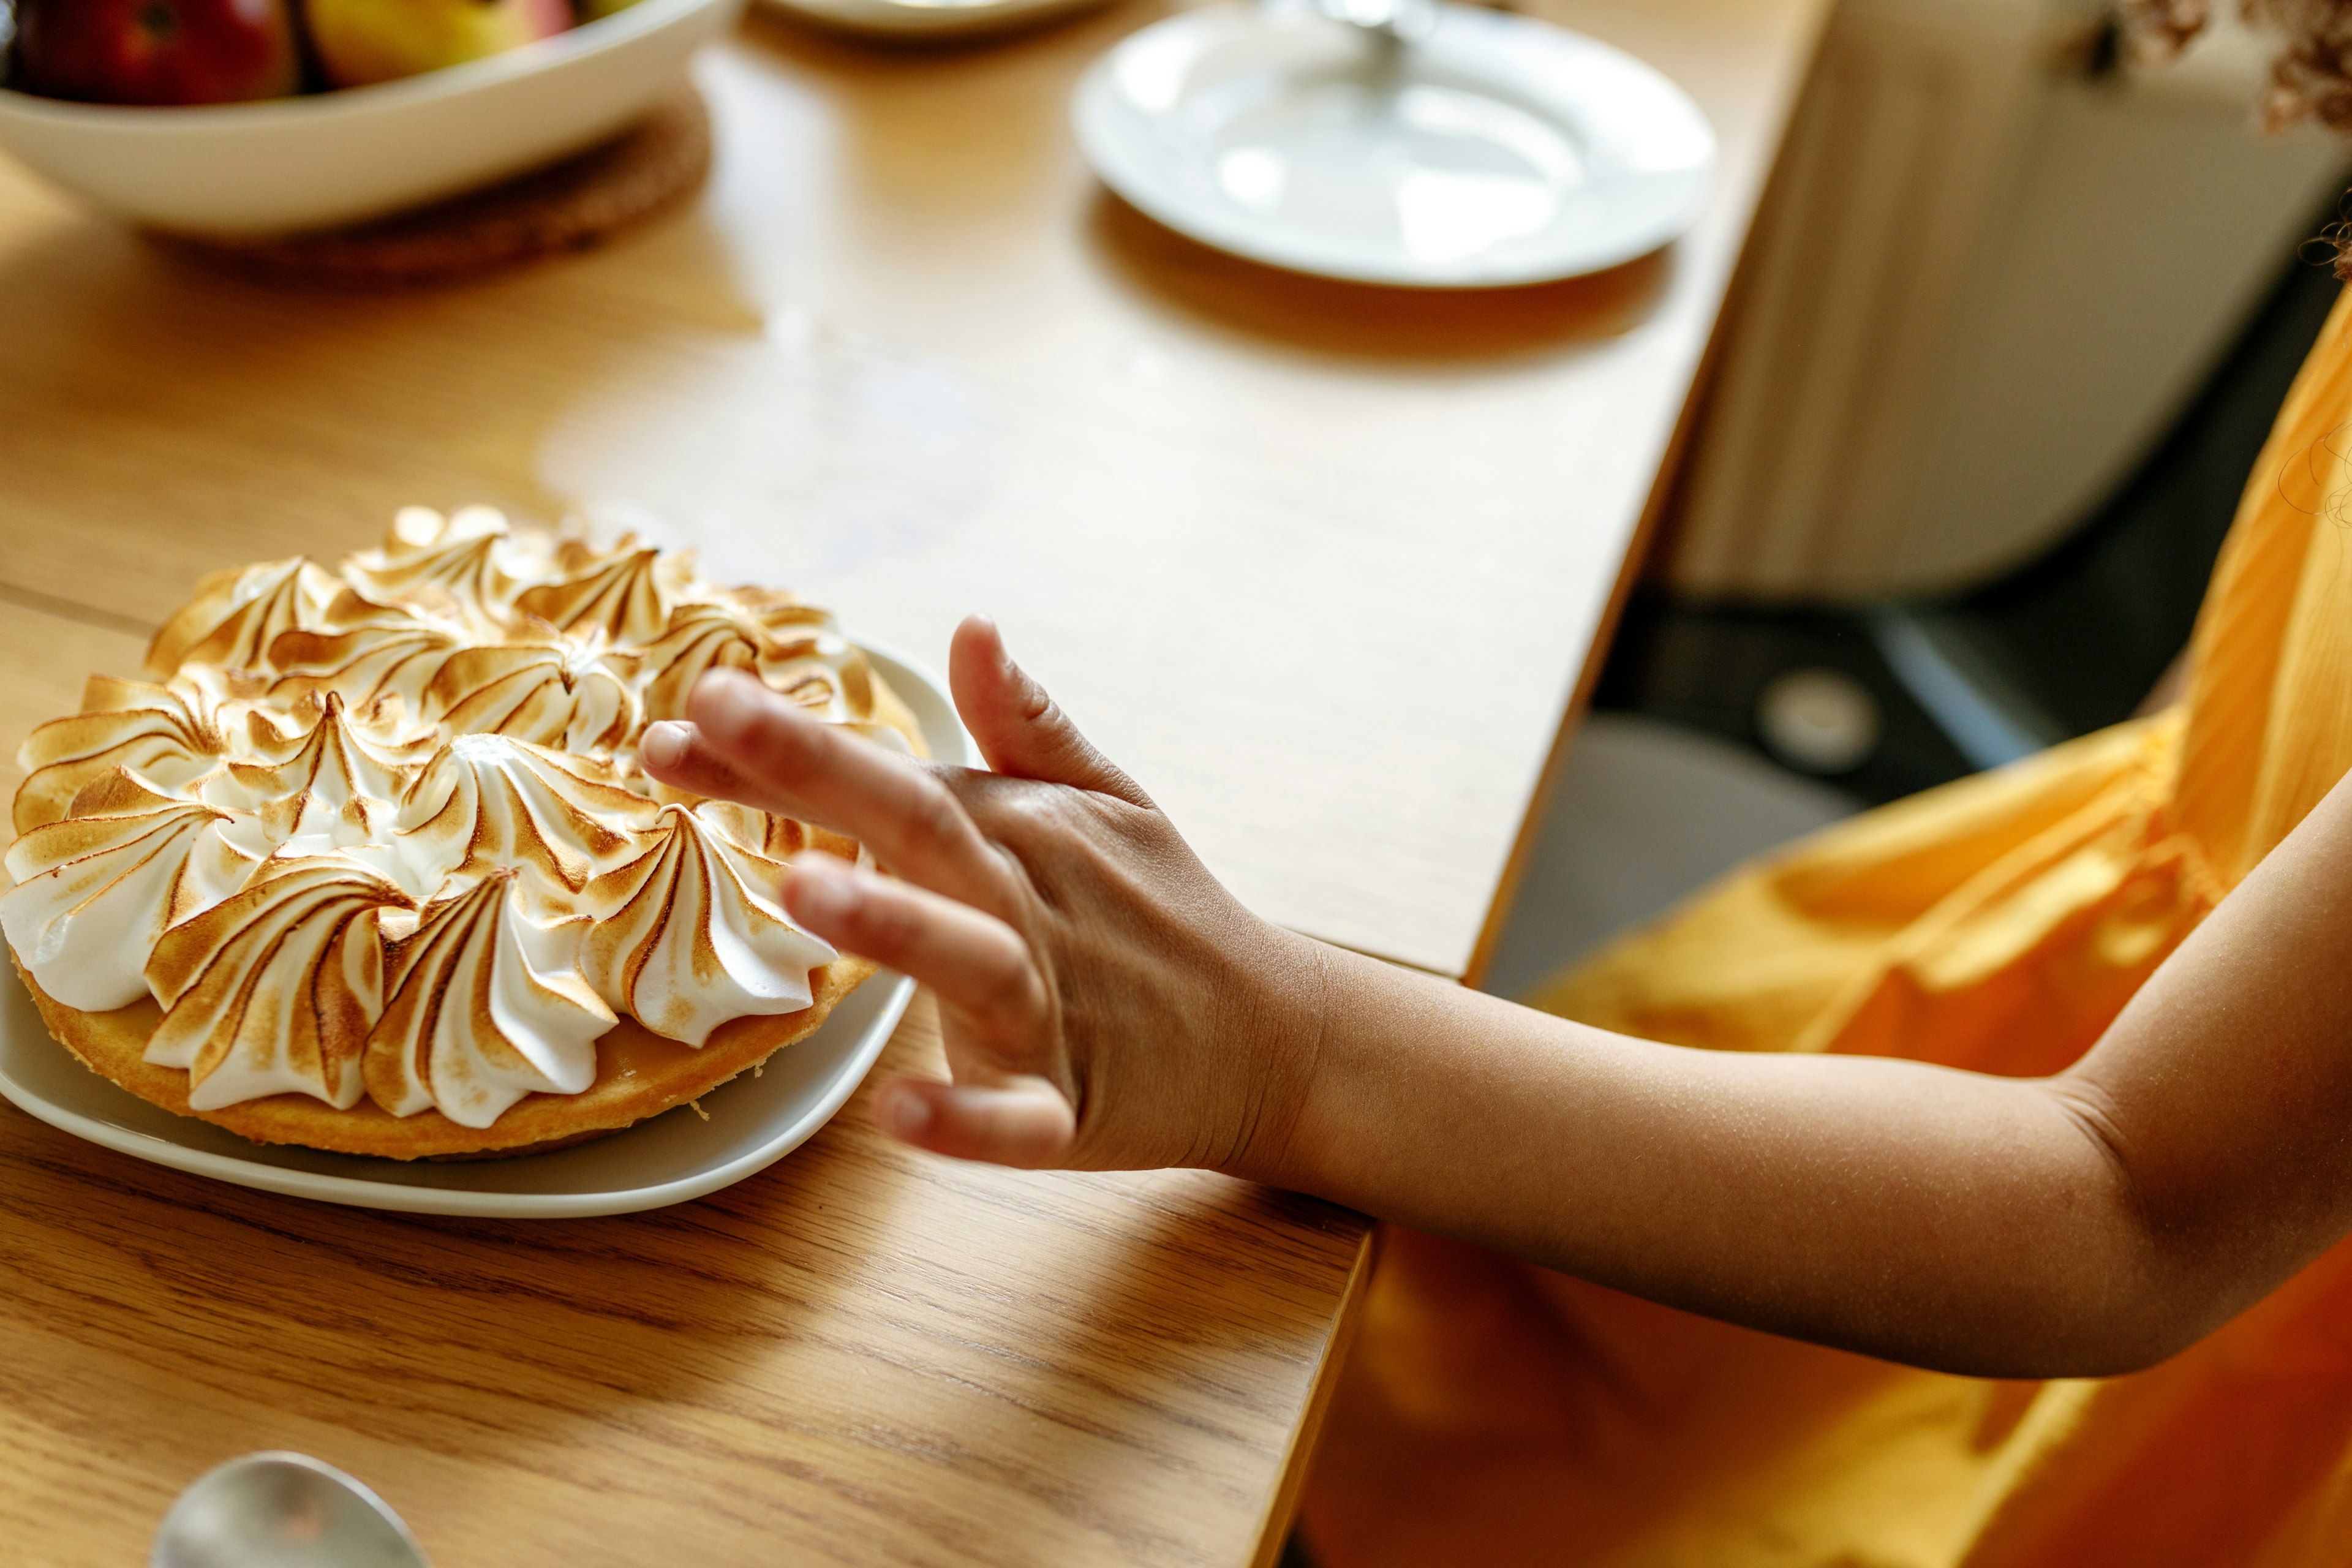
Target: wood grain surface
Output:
[(1323, 565), (860, 1356), (1320, 564)]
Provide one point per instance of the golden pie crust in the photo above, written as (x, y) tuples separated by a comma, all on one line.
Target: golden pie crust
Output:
[(638, 1074)]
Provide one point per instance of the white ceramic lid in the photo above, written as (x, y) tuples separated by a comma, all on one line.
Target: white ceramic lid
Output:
[(1495, 150)]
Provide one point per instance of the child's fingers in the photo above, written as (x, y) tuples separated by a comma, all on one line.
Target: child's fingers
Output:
[(978, 964), (1021, 731), (799, 766), (676, 753), (1022, 1121)]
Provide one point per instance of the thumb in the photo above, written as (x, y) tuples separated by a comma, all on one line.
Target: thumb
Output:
[(1022, 731)]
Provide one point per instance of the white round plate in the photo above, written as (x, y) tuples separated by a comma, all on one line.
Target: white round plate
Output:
[(327, 158), (929, 18), (1495, 151), (754, 1120)]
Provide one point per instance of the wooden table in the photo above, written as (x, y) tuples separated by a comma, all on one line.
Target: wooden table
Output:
[(1323, 565)]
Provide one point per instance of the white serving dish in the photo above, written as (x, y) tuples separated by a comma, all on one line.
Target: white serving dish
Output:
[(929, 18), (286, 165), (1496, 150), (754, 1120)]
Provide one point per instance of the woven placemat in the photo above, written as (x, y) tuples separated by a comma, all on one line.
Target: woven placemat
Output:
[(576, 205)]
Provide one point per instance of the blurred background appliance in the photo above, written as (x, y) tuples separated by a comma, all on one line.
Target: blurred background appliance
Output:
[(1995, 264)]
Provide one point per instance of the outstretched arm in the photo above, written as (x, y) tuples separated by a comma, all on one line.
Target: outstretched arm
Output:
[(1107, 1005)]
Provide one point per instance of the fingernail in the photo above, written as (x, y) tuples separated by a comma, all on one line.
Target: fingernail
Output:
[(910, 1113), (663, 744)]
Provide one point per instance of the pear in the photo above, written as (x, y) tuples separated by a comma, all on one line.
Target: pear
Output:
[(363, 41)]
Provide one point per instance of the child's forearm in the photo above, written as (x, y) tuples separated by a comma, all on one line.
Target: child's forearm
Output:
[(2094, 1222), (1947, 1218)]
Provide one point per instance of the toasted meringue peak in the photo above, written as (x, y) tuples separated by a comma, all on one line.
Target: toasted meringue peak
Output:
[(228, 694), (486, 1006), (466, 566), (274, 991), (805, 658), (627, 597), (577, 695), (383, 746), (237, 614), (490, 801), (745, 827), (824, 673), (772, 838), (697, 637), (693, 938), (393, 659), (331, 786), (97, 891), (192, 703), (780, 613), (356, 834), (168, 733)]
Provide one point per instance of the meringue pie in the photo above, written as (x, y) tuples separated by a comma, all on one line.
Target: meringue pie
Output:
[(368, 863)]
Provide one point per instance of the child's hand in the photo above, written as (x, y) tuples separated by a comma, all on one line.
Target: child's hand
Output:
[(1106, 1003)]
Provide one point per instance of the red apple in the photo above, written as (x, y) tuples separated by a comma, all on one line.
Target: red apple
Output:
[(156, 51), (363, 41)]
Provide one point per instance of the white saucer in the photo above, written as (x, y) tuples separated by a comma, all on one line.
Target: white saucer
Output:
[(1496, 150), (754, 1120), (929, 18)]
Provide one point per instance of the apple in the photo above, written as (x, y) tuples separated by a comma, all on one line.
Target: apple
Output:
[(156, 51), (363, 41)]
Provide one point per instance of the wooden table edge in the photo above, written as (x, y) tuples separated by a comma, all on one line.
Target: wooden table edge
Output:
[(1580, 699), (1656, 510), (1290, 1485)]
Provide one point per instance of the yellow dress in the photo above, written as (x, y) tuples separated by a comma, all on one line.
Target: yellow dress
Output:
[(1496, 1414)]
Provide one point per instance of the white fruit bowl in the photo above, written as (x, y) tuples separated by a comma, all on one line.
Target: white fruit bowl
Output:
[(291, 164)]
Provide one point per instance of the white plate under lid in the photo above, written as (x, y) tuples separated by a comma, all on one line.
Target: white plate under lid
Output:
[(754, 1121), (929, 18), (1497, 150)]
